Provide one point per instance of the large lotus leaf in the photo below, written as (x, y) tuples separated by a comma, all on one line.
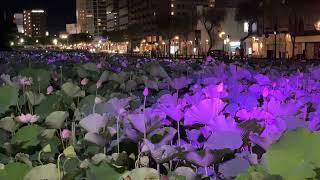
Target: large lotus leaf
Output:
[(94, 123), (186, 172), (234, 167), (49, 105), (90, 67), (224, 140), (72, 90), (104, 76), (102, 172), (9, 124), (14, 171), (130, 85), (81, 72), (157, 71), (202, 158), (86, 104), (138, 121), (8, 97), (56, 119), (40, 77), (95, 138), (48, 172), (28, 136), (257, 173), (119, 78), (142, 173), (295, 155), (34, 98)]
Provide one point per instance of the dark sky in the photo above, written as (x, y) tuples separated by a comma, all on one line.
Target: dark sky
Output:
[(59, 12)]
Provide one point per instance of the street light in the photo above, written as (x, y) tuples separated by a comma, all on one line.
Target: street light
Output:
[(317, 25), (21, 40), (55, 41)]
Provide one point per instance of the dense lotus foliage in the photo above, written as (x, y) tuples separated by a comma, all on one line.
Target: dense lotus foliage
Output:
[(97, 117)]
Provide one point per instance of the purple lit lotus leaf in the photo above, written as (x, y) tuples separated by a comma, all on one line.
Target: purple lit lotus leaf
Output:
[(180, 83), (94, 123), (201, 158), (224, 140), (95, 138), (234, 167), (204, 112)]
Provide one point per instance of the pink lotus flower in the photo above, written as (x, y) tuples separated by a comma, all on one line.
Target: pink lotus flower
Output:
[(265, 92), (66, 133), (26, 81), (99, 84), (146, 91), (99, 66), (84, 81), (98, 100), (28, 118), (220, 87), (49, 90)]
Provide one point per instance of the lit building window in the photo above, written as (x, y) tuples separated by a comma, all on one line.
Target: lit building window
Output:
[(172, 13), (246, 27)]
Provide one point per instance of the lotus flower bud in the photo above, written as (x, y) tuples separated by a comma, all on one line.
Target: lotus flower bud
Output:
[(84, 81), (66, 133), (49, 90), (265, 92), (220, 87), (99, 84), (146, 91)]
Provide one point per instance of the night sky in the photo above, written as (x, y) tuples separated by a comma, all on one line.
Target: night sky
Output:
[(59, 12)]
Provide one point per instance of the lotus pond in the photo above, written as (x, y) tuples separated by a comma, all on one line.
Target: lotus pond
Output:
[(81, 116)]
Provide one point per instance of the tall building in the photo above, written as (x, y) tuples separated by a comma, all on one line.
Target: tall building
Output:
[(18, 19), (117, 15), (73, 28), (85, 19), (92, 16), (35, 23)]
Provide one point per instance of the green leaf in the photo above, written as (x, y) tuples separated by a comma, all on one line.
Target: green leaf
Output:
[(69, 152), (14, 171), (56, 119), (28, 136), (48, 172), (257, 173), (102, 172), (142, 173), (35, 99), (295, 155), (48, 105), (90, 67), (48, 133), (47, 148), (8, 97), (72, 90), (9, 124), (40, 77)]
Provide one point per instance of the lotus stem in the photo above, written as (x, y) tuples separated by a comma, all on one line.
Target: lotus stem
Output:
[(179, 138), (58, 164), (73, 129), (206, 170), (118, 135), (39, 158), (158, 169), (144, 119)]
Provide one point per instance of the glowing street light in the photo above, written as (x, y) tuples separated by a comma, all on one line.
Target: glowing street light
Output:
[(21, 40), (37, 41), (55, 41), (222, 34), (11, 43), (317, 25)]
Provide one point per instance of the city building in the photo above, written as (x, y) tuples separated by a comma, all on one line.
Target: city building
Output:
[(35, 23), (73, 28), (117, 15), (85, 16), (18, 19), (92, 16), (284, 34)]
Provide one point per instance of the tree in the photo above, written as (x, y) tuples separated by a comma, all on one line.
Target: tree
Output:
[(80, 38), (212, 18), (249, 11), (6, 31)]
